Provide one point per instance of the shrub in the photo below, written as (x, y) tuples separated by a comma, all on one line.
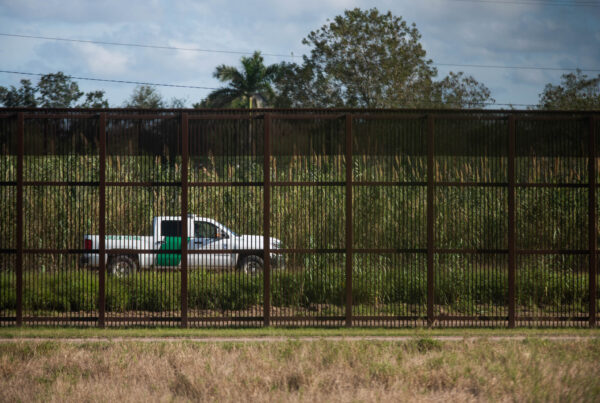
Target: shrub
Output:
[(156, 291)]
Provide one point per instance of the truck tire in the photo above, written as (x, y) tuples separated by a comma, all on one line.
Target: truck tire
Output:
[(252, 265), (122, 266)]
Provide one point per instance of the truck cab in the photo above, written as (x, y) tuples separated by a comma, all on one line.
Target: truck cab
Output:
[(204, 234), (210, 245)]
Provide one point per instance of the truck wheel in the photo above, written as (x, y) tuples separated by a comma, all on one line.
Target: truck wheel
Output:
[(122, 266), (252, 265)]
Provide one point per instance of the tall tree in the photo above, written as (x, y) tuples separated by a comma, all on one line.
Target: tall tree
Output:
[(576, 91), (301, 86), (145, 96), (22, 96), (94, 99), (56, 90), (246, 87), (459, 91), (368, 59), (178, 103)]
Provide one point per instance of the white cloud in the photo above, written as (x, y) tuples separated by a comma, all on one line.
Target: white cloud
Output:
[(453, 32), (102, 61), (76, 11)]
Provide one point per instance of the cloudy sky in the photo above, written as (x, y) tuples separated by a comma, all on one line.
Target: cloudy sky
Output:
[(482, 32)]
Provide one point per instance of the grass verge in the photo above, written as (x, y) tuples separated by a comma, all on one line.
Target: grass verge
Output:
[(419, 369), (157, 332)]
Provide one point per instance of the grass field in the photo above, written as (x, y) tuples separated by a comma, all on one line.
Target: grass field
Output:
[(290, 332), (418, 369)]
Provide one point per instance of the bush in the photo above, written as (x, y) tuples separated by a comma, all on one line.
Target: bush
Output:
[(8, 293), (223, 291), (156, 291)]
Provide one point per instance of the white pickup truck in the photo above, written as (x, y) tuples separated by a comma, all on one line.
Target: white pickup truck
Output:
[(165, 243)]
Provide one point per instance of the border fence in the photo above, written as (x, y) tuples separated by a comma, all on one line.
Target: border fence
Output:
[(385, 217)]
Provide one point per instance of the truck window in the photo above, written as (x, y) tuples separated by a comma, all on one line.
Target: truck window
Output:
[(204, 229), (170, 228)]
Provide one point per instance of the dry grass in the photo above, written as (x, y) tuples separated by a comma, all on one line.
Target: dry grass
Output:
[(423, 369)]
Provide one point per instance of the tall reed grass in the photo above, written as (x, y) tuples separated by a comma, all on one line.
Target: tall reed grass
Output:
[(306, 217)]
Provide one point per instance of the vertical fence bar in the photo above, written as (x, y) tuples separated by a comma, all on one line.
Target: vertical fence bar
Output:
[(349, 222), (184, 218), (102, 221), (19, 240), (593, 233), (511, 222), (430, 223), (267, 220)]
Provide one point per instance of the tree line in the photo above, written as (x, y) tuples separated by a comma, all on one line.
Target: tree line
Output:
[(361, 59)]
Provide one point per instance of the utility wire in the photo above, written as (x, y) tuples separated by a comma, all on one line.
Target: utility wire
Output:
[(192, 86), (115, 81), (490, 66), (538, 3), (485, 66), (141, 45)]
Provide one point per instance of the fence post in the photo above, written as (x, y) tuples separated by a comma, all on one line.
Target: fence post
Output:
[(349, 222), (593, 233), (102, 221), (267, 220), (184, 218), (511, 222), (430, 223), (19, 240)]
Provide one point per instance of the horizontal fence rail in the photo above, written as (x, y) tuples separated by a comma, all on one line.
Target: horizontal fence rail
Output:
[(318, 217)]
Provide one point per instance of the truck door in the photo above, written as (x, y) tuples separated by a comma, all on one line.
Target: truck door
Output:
[(170, 241), (207, 237)]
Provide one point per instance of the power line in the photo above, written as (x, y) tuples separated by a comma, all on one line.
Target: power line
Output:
[(485, 66), (114, 81), (489, 66), (142, 45), (537, 3), (191, 86)]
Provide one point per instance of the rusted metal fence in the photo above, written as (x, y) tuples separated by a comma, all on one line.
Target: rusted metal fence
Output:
[(383, 217)]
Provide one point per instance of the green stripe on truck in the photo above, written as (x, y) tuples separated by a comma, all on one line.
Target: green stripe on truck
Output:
[(169, 259)]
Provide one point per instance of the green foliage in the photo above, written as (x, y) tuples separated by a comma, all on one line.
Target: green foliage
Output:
[(459, 91), (54, 90), (67, 292), (223, 291), (155, 291), (247, 87), (94, 99), (57, 91), (576, 91), (146, 97), (8, 294), (22, 96), (425, 345), (369, 59)]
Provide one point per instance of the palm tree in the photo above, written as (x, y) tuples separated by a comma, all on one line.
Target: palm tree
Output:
[(251, 84)]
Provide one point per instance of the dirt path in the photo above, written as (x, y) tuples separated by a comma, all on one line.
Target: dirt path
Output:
[(276, 339)]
